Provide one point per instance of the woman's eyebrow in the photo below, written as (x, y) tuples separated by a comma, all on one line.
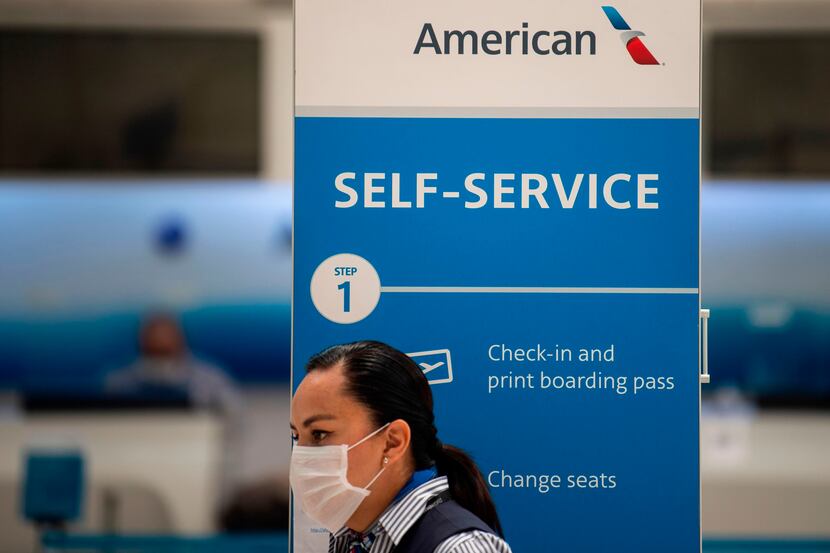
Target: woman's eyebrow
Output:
[(314, 418)]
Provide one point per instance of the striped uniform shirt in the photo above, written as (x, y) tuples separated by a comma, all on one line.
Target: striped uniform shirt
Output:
[(399, 517)]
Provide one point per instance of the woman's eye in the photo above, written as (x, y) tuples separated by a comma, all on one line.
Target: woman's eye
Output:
[(319, 435), (294, 437)]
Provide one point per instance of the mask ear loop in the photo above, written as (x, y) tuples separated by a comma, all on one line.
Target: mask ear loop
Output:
[(367, 437), (385, 459), (372, 481)]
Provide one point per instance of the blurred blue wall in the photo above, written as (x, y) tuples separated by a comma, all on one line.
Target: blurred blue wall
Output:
[(82, 262), (766, 277)]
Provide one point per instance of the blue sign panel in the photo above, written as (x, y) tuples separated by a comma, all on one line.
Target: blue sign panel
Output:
[(559, 330)]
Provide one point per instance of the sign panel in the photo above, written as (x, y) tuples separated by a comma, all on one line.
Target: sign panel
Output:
[(509, 193)]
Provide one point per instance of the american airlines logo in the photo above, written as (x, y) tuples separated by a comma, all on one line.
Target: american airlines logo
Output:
[(636, 48), (527, 41)]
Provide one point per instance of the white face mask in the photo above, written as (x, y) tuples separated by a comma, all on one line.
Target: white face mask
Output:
[(318, 480)]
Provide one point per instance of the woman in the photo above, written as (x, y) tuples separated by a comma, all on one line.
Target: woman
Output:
[(367, 463)]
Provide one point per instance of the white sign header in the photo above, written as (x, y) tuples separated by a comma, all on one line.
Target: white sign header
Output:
[(558, 55)]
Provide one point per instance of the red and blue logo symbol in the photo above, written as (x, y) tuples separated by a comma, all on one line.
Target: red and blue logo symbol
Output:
[(639, 53)]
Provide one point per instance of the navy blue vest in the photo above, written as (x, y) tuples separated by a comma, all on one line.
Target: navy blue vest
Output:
[(440, 522)]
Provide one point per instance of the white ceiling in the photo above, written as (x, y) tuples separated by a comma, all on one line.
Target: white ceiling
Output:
[(217, 14)]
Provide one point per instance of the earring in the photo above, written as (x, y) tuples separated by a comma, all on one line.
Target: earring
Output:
[(385, 460)]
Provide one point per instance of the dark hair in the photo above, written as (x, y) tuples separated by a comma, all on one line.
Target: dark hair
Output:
[(392, 386)]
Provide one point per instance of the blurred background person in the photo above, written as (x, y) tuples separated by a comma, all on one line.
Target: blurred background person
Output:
[(165, 364)]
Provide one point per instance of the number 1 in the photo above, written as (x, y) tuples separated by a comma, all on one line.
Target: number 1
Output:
[(347, 299)]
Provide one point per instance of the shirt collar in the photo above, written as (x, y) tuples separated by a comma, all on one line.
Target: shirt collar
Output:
[(399, 517), (418, 478)]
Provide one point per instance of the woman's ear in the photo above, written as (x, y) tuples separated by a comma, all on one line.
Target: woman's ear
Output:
[(398, 436)]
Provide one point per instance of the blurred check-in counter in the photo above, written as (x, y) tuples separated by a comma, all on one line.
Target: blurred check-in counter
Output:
[(765, 473), (145, 471), (765, 427)]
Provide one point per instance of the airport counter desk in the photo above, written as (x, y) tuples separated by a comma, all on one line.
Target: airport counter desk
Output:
[(766, 546), (90, 543), (276, 543), (161, 467)]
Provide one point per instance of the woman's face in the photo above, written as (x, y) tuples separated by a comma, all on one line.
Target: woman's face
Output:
[(322, 413)]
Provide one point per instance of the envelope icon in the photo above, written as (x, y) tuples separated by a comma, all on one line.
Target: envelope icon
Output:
[(436, 365)]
